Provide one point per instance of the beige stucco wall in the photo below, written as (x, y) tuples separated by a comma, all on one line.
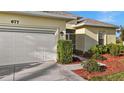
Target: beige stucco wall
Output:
[(91, 36), (80, 31), (31, 21), (80, 41), (69, 26)]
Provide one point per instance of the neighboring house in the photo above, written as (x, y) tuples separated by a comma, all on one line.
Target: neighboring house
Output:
[(89, 32), (31, 36)]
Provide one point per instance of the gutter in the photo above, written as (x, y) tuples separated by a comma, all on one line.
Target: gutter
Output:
[(83, 24)]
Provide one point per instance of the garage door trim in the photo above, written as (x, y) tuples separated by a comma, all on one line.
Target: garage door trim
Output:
[(47, 31)]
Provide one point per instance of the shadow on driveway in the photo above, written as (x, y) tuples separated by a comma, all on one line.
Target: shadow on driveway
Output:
[(10, 69), (38, 73)]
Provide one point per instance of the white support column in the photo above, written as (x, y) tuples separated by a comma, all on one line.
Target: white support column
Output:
[(64, 36), (68, 36), (57, 34), (104, 38), (97, 37)]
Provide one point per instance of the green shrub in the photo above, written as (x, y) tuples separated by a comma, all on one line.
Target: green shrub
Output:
[(91, 65), (99, 49), (104, 49), (115, 50), (78, 52), (108, 46), (121, 47), (94, 50), (112, 49), (99, 57), (87, 54), (64, 51)]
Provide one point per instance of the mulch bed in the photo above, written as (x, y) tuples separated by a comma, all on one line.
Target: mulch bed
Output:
[(114, 64)]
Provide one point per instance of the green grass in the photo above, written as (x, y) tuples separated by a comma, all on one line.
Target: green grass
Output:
[(122, 60), (113, 77)]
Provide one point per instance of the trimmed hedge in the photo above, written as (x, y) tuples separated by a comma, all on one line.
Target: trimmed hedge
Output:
[(64, 51)]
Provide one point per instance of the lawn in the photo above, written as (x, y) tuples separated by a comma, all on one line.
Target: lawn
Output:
[(113, 77), (114, 71)]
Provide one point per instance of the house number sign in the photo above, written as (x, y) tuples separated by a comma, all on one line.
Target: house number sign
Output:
[(15, 21)]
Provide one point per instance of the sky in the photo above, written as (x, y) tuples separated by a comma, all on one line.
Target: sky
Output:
[(113, 17)]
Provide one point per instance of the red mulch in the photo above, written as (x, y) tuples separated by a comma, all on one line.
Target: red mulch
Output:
[(114, 64)]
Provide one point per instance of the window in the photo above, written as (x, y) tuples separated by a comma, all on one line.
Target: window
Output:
[(101, 38), (71, 36)]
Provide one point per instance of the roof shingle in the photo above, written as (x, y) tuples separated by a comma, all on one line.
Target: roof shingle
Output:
[(92, 22)]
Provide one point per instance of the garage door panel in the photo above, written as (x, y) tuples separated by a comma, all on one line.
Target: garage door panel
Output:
[(21, 47), (34, 46), (6, 48)]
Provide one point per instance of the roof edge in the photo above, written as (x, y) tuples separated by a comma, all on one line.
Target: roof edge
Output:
[(41, 14), (81, 25)]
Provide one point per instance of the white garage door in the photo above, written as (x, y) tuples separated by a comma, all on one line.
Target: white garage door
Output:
[(22, 47)]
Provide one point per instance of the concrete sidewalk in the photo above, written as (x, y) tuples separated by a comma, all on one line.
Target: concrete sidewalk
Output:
[(72, 66)]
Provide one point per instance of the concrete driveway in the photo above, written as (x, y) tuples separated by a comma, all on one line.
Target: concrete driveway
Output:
[(44, 71)]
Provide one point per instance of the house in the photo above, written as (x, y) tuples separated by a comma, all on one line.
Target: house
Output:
[(86, 32), (31, 36)]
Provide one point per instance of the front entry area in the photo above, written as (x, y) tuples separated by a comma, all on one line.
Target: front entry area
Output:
[(26, 46)]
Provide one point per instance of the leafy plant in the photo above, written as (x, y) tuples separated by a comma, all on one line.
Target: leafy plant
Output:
[(94, 50), (112, 49), (91, 65), (99, 49), (121, 47), (88, 54), (99, 57), (115, 50), (64, 51), (108, 46)]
